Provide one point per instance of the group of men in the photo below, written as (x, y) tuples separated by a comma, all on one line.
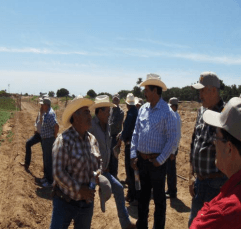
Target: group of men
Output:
[(151, 134)]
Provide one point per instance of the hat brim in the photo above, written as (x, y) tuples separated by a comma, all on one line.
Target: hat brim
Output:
[(130, 103), (102, 203), (103, 104), (41, 102), (72, 107), (212, 118), (155, 82), (198, 86)]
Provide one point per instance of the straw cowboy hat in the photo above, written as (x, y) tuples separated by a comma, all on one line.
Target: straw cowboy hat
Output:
[(73, 106), (154, 79), (130, 99), (102, 101)]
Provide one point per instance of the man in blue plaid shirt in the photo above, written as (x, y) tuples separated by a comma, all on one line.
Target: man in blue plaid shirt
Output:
[(49, 131)]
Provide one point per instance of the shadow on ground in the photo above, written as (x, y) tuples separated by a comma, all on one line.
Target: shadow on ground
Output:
[(179, 205)]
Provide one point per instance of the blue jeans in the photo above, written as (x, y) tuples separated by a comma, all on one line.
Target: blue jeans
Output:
[(171, 177), (47, 144), (36, 138), (64, 212), (117, 190), (113, 165), (205, 191)]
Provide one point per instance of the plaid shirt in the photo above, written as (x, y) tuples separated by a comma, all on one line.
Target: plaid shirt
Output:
[(116, 120), (203, 152), (48, 123), (74, 161)]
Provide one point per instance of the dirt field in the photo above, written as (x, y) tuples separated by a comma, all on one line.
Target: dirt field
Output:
[(24, 204)]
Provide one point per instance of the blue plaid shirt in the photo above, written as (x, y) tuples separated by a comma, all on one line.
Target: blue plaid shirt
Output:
[(155, 131), (48, 123)]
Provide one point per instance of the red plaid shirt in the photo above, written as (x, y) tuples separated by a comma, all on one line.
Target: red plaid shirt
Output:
[(74, 160)]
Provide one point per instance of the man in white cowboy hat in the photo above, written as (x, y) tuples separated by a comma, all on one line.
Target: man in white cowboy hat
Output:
[(139, 102), (101, 130), (153, 140), (35, 139), (126, 135), (49, 131), (115, 122), (224, 210), (76, 157), (171, 161), (205, 179)]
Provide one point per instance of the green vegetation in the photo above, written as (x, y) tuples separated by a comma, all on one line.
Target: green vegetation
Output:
[(34, 98), (10, 136), (63, 99), (55, 107), (7, 105)]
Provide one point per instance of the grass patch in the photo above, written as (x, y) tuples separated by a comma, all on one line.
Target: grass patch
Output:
[(55, 107), (34, 98), (7, 103), (63, 99), (10, 136), (4, 116)]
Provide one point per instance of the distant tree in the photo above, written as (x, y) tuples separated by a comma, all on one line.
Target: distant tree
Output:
[(73, 96), (91, 93), (123, 93), (139, 81), (62, 92), (51, 94), (138, 92), (26, 94)]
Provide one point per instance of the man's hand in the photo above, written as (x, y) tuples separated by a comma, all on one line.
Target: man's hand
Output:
[(191, 188), (86, 193), (155, 162), (119, 143), (172, 157), (134, 163)]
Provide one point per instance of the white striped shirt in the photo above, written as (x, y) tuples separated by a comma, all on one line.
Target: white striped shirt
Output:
[(179, 126), (155, 131)]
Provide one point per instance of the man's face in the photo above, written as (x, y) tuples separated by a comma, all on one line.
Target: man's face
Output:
[(83, 118), (174, 108), (149, 94), (104, 115), (221, 152), (116, 101), (206, 95), (45, 107)]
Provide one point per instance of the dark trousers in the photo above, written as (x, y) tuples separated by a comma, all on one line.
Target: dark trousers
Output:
[(151, 177), (113, 165), (171, 176), (36, 138), (47, 144), (130, 177)]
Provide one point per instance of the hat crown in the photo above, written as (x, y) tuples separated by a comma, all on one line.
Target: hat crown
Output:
[(173, 100), (130, 97), (153, 76), (116, 95), (102, 99), (209, 79)]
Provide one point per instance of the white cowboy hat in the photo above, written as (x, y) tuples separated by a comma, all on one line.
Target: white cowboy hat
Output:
[(130, 99), (102, 101), (154, 79), (139, 101), (73, 106)]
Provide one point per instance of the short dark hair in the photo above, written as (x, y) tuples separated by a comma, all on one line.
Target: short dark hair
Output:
[(98, 109), (158, 89), (232, 139)]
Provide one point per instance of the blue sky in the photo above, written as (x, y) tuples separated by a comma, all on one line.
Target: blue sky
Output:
[(108, 45)]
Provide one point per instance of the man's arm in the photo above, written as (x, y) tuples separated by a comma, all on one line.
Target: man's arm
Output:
[(56, 130), (171, 144)]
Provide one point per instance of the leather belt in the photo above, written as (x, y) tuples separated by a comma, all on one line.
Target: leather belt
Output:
[(210, 176), (149, 156)]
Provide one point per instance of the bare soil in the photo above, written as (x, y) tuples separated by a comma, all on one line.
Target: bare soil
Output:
[(24, 204)]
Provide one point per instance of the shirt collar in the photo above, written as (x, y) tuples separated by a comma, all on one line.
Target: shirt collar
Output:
[(76, 134), (233, 181), (219, 106), (158, 105)]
